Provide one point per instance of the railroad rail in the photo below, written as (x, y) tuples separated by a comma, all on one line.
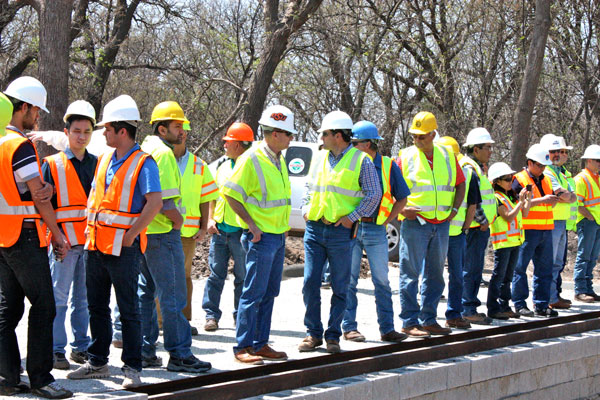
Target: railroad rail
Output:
[(293, 374)]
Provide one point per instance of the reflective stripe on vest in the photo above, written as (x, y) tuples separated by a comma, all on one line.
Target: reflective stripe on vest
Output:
[(540, 217), (488, 200), (571, 223), (592, 200), (502, 233), (387, 202), (458, 221)]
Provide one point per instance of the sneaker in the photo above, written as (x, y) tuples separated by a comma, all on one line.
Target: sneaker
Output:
[(211, 325), (79, 357), (247, 356), (194, 331), (52, 391), (546, 312), (151, 362), (416, 331), (60, 361), (394, 337), (9, 390), (333, 346), (524, 312), (189, 364), (88, 371), (586, 298), (267, 353), (436, 329), (354, 336), (309, 343), (458, 323), (132, 378), (117, 344), (560, 305), (478, 319)]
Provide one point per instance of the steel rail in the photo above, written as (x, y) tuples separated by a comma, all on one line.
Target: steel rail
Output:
[(293, 374)]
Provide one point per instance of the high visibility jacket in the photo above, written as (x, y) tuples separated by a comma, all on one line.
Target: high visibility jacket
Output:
[(223, 211), (387, 202), (588, 194), (170, 179), (109, 211), (71, 199), (459, 219), (197, 187), (540, 217), (335, 192), (572, 221), (431, 191), (488, 201), (504, 234), (562, 211), (263, 189), (13, 210)]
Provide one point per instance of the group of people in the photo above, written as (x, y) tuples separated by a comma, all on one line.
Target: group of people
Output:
[(128, 219)]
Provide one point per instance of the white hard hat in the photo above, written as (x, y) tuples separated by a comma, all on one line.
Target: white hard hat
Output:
[(553, 142), (336, 120), (539, 153), (29, 90), (278, 117), (81, 107), (478, 136), (496, 170), (122, 108), (592, 152)]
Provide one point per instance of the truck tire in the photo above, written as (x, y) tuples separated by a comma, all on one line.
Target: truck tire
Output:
[(393, 237)]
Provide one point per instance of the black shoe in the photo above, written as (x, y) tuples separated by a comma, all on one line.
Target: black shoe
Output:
[(9, 390), (190, 364), (52, 391), (546, 312), (80, 357), (60, 361), (151, 362), (524, 312)]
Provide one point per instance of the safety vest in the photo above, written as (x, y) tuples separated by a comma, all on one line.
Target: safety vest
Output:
[(223, 211), (572, 221), (505, 234), (488, 200), (387, 202), (71, 199), (458, 221), (109, 210), (562, 211), (431, 191), (13, 210), (540, 217), (197, 186), (268, 200), (335, 192), (170, 179), (588, 194)]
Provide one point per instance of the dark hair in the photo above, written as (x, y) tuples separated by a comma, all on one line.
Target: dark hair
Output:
[(17, 104), (131, 130), (471, 148), (76, 117), (346, 134), (512, 195), (158, 124), (373, 146), (245, 145)]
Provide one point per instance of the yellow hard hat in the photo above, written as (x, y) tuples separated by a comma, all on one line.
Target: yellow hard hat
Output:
[(168, 111), (450, 143), (423, 123)]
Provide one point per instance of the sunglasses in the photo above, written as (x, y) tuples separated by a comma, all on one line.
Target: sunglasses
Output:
[(539, 165), (506, 178), (559, 151)]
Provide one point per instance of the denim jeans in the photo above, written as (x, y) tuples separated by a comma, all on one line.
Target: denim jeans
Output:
[(559, 242), (121, 272), (373, 239), (264, 266), (162, 275), (423, 249), (477, 241), (588, 249), (537, 246), (332, 243), (499, 289), (224, 245), (24, 272), (457, 246), (66, 273)]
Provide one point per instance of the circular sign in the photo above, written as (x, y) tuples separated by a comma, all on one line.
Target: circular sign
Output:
[(296, 165)]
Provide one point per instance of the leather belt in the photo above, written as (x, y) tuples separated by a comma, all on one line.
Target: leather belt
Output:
[(326, 222), (367, 219), (29, 225)]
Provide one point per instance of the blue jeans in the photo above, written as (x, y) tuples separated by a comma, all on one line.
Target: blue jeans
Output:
[(588, 249), (559, 242), (423, 249), (373, 239), (264, 266), (121, 272), (477, 241), (537, 246), (70, 271), (162, 275), (224, 245), (499, 289), (457, 246), (332, 243)]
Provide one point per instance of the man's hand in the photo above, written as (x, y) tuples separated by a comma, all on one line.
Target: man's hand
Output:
[(257, 233), (410, 213), (551, 199), (44, 194), (211, 227), (200, 235), (61, 246), (128, 238), (345, 222), (484, 227), (178, 225), (451, 216)]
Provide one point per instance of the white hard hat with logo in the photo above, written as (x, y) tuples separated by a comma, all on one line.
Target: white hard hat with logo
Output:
[(29, 90), (278, 117), (553, 142), (478, 136), (122, 108), (81, 107), (336, 120), (539, 153), (499, 169), (592, 152)]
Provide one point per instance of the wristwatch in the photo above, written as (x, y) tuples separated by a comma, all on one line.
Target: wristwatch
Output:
[(455, 209)]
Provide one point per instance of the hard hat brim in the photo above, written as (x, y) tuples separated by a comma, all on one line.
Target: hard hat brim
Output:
[(418, 131), (182, 120), (473, 144)]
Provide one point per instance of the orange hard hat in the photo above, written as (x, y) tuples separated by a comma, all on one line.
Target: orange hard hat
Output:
[(239, 131)]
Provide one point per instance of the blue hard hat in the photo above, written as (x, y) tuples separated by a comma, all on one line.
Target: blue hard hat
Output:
[(365, 130)]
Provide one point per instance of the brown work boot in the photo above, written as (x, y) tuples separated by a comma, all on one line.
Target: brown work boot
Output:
[(118, 344), (563, 299), (512, 314), (478, 319), (267, 353), (586, 298), (211, 325), (394, 337), (333, 346), (458, 323), (560, 305), (354, 336), (309, 343), (436, 329), (415, 331), (247, 356)]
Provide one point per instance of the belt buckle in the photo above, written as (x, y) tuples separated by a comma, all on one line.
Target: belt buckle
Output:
[(325, 221)]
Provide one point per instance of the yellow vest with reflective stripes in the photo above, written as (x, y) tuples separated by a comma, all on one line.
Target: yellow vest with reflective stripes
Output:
[(488, 201), (562, 211), (197, 187), (387, 202), (572, 221), (459, 219), (502, 233), (170, 179), (335, 192), (223, 211), (588, 195), (431, 191), (269, 206)]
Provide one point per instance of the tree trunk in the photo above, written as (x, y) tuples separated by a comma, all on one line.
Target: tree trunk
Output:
[(524, 110)]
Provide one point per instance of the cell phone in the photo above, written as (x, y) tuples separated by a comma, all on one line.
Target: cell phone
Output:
[(354, 230), (528, 187)]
